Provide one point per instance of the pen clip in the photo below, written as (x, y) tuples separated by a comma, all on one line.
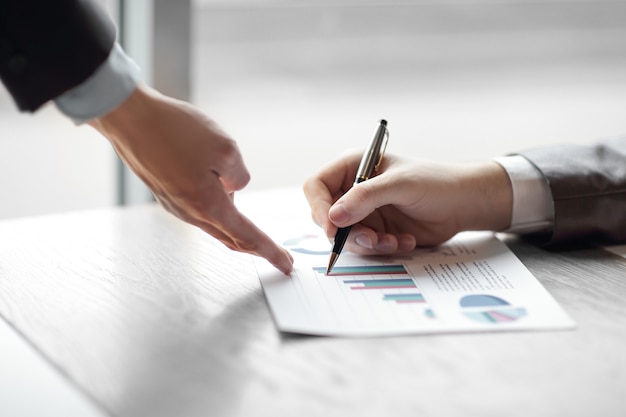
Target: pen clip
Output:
[(382, 148)]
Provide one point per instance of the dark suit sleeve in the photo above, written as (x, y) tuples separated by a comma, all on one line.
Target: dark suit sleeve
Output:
[(50, 46), (588, 185)]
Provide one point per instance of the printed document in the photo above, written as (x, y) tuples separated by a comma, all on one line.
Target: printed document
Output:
[(471, 283)]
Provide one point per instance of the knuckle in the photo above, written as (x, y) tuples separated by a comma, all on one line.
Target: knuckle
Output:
[(229, 152), (362, 194)]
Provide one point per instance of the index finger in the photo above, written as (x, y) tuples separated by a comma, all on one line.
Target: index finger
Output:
[(327, 185), (239, 233)]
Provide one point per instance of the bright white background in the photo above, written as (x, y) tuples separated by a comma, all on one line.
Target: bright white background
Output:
[(296, 82)]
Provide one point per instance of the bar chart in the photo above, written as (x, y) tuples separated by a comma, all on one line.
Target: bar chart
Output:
[(384, 287)]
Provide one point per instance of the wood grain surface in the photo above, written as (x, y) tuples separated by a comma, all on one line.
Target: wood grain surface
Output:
[(150, 317)]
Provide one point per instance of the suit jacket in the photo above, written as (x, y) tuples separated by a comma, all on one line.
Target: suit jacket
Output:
[(588, 186), (50, 46)]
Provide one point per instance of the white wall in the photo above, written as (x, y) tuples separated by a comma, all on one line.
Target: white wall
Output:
[(49, 165), (296, 82)]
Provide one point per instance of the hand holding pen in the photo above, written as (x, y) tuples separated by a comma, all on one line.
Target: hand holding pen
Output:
[(409, 202)]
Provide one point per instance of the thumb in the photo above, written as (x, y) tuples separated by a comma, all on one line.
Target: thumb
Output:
[(359, 202)]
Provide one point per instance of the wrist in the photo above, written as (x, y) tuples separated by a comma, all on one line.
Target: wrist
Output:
[(127, 116), (490, 202)]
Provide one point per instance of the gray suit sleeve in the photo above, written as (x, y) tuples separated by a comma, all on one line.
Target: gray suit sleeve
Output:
[(588, 184)]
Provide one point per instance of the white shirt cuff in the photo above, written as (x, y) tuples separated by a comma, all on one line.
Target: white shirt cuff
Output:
[(533, 207), (106, 89)]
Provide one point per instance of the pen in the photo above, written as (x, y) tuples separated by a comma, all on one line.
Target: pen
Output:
[(369, 163)]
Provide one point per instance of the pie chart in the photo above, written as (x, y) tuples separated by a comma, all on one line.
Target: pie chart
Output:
[(490, 309), (309, 244)]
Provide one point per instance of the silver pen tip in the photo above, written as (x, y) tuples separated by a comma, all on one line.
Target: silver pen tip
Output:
[(331, 263)]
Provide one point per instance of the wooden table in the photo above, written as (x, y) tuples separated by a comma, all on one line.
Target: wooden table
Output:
[(150, 317)]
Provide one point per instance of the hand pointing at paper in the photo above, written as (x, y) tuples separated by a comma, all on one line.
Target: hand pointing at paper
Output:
[(191, 166)]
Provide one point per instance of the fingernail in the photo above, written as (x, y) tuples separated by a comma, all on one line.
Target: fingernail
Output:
[(338, 214), (406, 243), (286, 269), (364, 241), (384, 246)]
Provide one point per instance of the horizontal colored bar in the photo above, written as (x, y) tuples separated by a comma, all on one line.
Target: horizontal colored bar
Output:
[(364, 270), (404, 297), (382, 287), (376, 282)]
